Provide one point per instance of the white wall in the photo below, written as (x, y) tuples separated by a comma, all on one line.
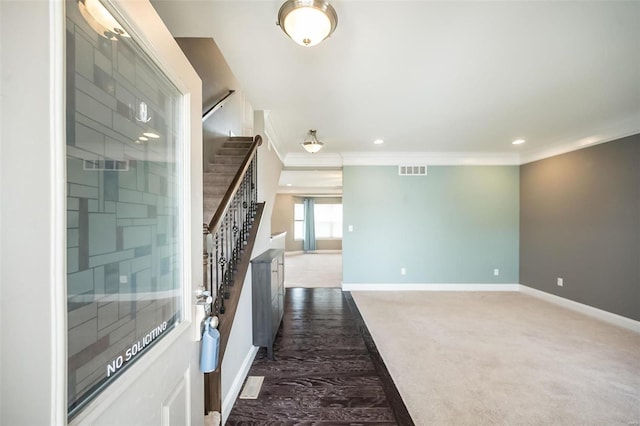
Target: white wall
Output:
[(32, 285), (269, 168)]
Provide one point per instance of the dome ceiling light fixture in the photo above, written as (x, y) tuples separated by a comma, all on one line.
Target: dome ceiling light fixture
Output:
[(307, 22), (312, 144), (101, 20)]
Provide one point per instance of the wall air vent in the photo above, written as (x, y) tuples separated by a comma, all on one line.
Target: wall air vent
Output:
[(407, 170), (106, 165)]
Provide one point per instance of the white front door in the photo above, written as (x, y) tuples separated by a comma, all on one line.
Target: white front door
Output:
[(100, 218), (133, 156)]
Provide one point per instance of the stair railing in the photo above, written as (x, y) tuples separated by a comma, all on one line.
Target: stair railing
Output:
[(226, 234)]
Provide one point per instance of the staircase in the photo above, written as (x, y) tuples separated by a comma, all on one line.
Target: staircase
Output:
[(231, 219), (220, 171)]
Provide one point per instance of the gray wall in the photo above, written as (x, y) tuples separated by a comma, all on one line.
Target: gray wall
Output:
[(282, 221), (455, 225), (580, 220), (217, 80)]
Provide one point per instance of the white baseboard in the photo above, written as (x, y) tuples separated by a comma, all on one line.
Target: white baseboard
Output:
[(428, 287), (608, 317), (236, 386), (297, 252)]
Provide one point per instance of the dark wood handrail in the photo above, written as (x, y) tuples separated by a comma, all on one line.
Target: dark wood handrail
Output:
[(235, 184), (217, 105)]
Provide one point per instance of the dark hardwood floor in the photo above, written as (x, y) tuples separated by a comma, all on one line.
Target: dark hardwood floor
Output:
[(326, 369)]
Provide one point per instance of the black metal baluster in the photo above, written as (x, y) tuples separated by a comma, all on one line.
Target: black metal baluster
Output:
[(227, 226), (222, 262), (254, 186), (236, 228), (216, 297)]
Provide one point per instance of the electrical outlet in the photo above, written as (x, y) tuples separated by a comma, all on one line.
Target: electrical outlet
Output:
[(496, 272), (560, 282), (124, 279), (350, 228), (403, 271)]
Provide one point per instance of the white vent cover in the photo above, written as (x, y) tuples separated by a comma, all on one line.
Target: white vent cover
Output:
[(252, 387), (111, 165), (410, 170)]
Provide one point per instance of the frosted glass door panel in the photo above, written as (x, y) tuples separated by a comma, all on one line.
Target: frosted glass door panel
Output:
[(124, 246)]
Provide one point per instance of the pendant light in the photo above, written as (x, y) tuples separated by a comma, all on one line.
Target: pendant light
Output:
[(312, 144), (307, 22)]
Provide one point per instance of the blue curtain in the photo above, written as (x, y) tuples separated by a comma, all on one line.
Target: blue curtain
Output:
[(309, 226)]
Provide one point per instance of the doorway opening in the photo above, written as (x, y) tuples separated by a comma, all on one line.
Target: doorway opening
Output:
[(310, 229)]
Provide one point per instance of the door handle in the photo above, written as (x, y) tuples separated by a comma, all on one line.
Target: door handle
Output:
[(204, 298)]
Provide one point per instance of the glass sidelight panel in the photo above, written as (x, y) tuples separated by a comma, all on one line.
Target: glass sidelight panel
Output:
[(124, 168)]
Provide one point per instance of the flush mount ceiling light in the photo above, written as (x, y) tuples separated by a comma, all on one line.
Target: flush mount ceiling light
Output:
[(99, 18), (307, 22), (518, 142), (312, 144)]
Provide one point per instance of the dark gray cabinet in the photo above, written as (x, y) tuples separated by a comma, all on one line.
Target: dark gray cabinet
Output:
[(267, 281)]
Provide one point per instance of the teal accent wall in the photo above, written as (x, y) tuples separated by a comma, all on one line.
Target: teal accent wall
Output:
[(455, 225)]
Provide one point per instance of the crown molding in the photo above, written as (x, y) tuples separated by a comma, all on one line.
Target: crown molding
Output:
[(430, 158), (567, 147), (397, 158), (312, 160), (609, 131), (307, 190)]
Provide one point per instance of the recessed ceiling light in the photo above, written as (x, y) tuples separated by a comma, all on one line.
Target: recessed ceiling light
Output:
[(151, 135), (289, 184), (378, 142), (518, 142), (143, 138)]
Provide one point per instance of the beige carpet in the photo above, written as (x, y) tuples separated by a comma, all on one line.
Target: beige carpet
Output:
[(312, 270), (503, 359)]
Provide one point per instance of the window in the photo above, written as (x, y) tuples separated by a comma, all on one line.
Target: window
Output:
[(328, 221), (124, 211), (328, 218)]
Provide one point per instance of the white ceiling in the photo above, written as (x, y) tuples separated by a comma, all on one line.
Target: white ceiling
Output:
[(441, 82)]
